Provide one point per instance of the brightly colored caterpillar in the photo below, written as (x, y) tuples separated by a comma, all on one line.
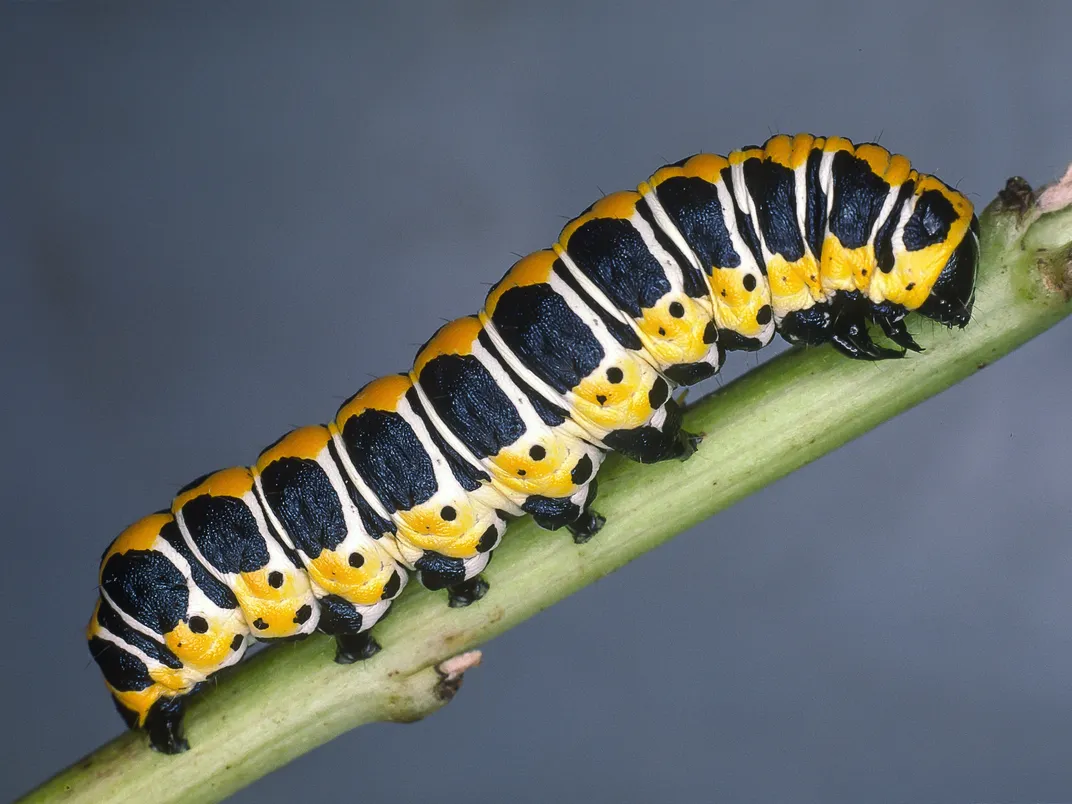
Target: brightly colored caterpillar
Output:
[(511, 411)]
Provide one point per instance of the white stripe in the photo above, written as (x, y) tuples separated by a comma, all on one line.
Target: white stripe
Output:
[(140, 627), (887, 208), (800, 191), (897, 241), (355, 478), (122, 644), (180, 520), (458, 446), (446, 482), (671, 270), (671, 231), (535, 383)]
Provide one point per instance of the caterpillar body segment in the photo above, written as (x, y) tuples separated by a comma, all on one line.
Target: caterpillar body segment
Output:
[(445, 515), (575, 352), (527, 448), (588, 365), (349, 555), (698, 205), (628, 265), (226, 529)]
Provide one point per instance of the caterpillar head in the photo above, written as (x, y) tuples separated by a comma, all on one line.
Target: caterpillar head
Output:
[(953, 293)]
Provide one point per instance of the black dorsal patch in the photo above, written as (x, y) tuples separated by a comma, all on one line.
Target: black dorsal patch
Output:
[(390, 459), (148, 587), (546, 336), (471, 404), (858, 198), (930, 221), (612, 254), (225, 533), (693, 205), (745, 226), (468, 476), (214, 590), (773, 190), (300, 494), (550, 414), (123, 670), (375, 525), (692, 281), (622, 332), (815, 212), (110, 619)]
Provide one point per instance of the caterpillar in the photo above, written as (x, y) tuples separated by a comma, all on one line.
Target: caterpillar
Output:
[(575, 353)]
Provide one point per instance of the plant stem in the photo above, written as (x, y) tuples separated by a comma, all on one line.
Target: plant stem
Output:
[(786, 413)]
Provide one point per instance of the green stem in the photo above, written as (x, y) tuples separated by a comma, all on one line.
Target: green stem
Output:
[(795, 408)]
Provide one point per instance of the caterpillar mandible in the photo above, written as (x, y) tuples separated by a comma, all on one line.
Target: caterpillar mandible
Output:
[(575, 353)]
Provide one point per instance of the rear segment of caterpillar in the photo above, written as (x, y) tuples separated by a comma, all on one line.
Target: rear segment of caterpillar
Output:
[(162, 626), (576, 352)]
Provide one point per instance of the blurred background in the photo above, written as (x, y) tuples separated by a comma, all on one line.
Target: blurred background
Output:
[(216, 226)]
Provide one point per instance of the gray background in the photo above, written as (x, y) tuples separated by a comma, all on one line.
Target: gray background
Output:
[(215, 227)]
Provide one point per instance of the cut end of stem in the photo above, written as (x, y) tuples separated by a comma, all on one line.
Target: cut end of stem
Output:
[(1058, 195), (452, 673)]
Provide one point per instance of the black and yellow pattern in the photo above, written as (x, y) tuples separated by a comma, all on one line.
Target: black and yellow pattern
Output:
[(576, 352), (307, 499)]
